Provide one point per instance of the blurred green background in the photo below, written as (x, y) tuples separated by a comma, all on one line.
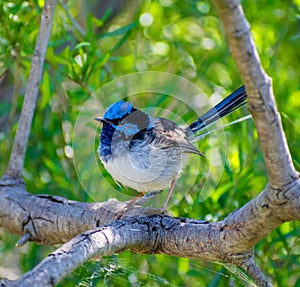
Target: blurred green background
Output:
[(93, 42)]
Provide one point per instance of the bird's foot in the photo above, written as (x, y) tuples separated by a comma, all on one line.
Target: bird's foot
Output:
[(132, 207)]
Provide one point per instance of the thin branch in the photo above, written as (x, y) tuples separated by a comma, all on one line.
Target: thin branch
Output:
[(82, 32), (262, 105), (72, 19), (16, 161), (258, 277)]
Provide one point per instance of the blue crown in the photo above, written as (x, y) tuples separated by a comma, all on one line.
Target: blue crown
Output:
[(118, 110)]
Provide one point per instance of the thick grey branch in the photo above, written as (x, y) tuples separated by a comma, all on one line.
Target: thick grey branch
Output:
[(154, 234), (54, 220), (262, 105), (16, 161)]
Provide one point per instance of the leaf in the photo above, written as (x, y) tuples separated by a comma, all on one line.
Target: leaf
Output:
[(82, 44), (46, 90), (120, 31)]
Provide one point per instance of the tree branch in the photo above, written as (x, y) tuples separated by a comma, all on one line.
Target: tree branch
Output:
[(52, 220), (152, 234), (281, 171), (16, 161)]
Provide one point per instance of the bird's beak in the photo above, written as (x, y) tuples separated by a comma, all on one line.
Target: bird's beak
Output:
[(98, 119), (102, 120)]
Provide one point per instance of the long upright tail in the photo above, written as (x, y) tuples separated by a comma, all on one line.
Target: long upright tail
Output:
[(235, 100)]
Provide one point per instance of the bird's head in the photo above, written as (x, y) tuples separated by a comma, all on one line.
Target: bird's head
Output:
[(123, 118)]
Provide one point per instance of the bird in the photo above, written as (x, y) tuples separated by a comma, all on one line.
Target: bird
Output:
[(148, 153)]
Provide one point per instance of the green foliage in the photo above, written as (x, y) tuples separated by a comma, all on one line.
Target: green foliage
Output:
[(181, 37)]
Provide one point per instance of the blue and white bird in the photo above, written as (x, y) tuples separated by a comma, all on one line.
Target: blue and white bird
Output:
[(147, 153)]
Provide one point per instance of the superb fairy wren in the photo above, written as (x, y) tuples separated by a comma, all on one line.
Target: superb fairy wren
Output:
[(147, 153)]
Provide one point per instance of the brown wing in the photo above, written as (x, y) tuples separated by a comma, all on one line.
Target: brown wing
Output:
[(168, 134)]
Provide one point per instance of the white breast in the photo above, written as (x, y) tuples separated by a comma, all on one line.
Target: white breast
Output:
[(145, 170)]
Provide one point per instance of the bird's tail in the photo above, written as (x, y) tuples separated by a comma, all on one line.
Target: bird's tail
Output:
[(235, 100)]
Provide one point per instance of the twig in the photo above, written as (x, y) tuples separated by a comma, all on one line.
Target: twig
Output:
[(16, 161), (73, 21), (25, 238), (82, 32)]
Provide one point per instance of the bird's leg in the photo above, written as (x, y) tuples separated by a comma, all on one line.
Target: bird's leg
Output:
[(135, 200), (129, 204), (147, 196), (164, 207), (143, 197), (140, 200)]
